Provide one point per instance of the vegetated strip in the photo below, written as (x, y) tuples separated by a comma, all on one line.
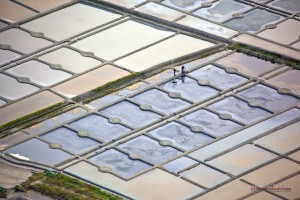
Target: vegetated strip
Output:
[(60, 186), (265, 55)]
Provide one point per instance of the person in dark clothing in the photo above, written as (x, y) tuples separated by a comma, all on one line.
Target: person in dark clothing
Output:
[(182, 74), (174, 77)]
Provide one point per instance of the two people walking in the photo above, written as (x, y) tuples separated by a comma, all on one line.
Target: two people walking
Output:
[(181, 75)]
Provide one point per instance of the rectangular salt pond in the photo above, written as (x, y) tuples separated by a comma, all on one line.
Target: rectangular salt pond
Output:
[(242, 159), (54, 121), (190, 89), (160, 101), (207, 26), (217, 77), (232, 190), (12, 139), (285, 33), (12, 12), (269, 46), (249, 65), (119, 163), (210, 123), (177, 46), (179, 164), (149, 150), (6, 56), (70, 21), (99, 127), (254, 21), (37, 151), (121, 39), (26, 106), (69, 140), (222, 10), (185, 5), (22, 41), (239, 110), (272, 172), (180, 136), (289, 80), (283, 140), (117, 95), (205, 176), (90, 80), (291, 6), (244, 135), (39, 73), (160, 11), (40, 6), (70, 60), (130, 114), (268, 98), (162, 185), (126, 3), (11, 89), (292, 183)]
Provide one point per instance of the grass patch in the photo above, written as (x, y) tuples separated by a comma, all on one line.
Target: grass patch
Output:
[(3, 192), (60, 186), (31, 116), (265, 55), (109, 87)]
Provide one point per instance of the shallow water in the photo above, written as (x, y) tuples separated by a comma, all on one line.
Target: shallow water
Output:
[(292, 6), (39, 73), (130, 114), (70, 140), (6, 56), (283, 140), (289, 80), (218, 77), (119, 163), (70, 21), (38, 151), (269, 98), (12, 12), (99, 127), (254, 21), (272, 172), (70, 60), (160, 101), (2, 102), (149, 150), (90, 81), (177, 46), (54, 121), (180, 135), (22, 41), (211, 123), (246, 64), (160, 11), (242, 159), (246, 134), (282, 33), (205, 176), (186, 5), (40, 6), (190, 89), (121, 39), (222, 10), (239, 110), (179, 164), (207, 26), (11, 89)]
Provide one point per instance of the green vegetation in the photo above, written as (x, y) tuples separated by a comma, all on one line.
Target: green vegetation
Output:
[(3, 192), (109, 87), (265, 55), (60, 186), (31, 116)]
